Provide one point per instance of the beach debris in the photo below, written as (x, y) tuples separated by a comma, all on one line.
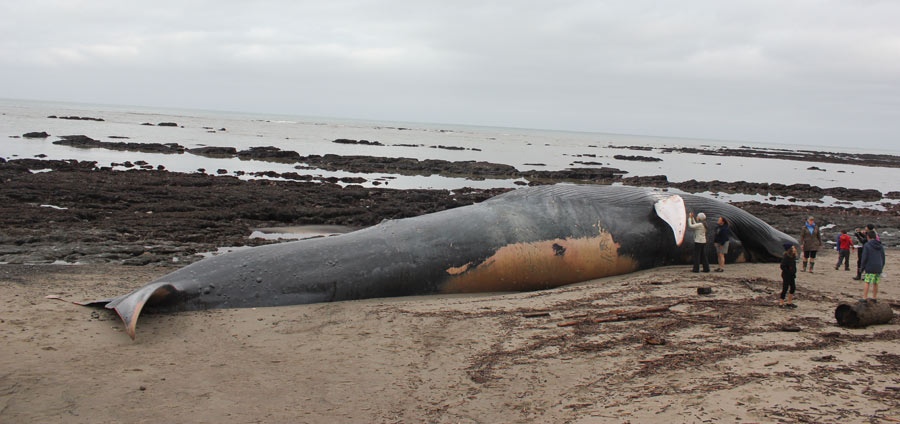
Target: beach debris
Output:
[(536, 314), (654, 341), (770, 364), (790, 328), (823, 358), (863, 314), (617, 315)]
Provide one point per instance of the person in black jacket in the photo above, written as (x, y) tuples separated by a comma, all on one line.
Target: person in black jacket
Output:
[(788, 275), (723, 234), (861, 240)]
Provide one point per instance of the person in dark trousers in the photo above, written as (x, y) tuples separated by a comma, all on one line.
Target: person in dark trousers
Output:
[(872, 265), (788, 275), (844, 246), (698, 226), (723, 234), (862, 239), (810, 243)]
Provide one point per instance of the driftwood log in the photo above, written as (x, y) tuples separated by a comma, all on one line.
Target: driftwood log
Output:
[(862, 314)]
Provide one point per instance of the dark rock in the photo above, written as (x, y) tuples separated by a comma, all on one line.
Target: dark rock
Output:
[(42, 134), (216, 152), (862, 159), (353, 180), (166, 124), (602, 175), (296, 176), (641, 148), (80, 118), (84, 141), (269, 153), (637, 158), (363, 142)]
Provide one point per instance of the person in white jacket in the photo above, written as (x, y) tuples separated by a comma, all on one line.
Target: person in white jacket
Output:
[(698, 226)]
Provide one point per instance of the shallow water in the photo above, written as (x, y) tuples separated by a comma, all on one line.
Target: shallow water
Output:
[(517, 147)]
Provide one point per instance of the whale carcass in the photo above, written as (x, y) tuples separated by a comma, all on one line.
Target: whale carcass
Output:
[(527, 239)]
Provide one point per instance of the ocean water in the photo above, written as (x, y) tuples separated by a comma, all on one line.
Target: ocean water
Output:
[(521, 148)]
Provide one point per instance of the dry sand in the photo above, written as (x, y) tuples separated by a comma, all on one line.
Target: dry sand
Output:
[(478, 358)]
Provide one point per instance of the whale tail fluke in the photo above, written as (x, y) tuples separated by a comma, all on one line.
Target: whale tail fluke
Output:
[(129, 306)]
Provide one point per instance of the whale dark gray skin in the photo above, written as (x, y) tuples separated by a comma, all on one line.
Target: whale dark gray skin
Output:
[(528, 239)]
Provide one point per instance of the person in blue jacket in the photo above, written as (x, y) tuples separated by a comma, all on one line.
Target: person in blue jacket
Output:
[(872, 264), (723, 234)]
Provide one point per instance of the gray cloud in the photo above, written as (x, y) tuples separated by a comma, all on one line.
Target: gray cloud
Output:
[(781, 72)]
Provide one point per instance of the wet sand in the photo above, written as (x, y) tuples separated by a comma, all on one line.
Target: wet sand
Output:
[(724, 357)]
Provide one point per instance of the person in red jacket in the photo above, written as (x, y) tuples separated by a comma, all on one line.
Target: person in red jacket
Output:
[(845, 245)]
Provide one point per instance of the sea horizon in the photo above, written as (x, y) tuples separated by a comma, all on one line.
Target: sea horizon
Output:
[(638, 138)]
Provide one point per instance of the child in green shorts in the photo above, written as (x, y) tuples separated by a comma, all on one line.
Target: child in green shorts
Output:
[(872, 265)]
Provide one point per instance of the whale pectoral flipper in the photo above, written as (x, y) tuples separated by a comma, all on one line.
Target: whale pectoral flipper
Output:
[(129, 306), (671, 210)]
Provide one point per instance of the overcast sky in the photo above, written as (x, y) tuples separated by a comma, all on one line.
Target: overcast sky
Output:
[(800, 72)]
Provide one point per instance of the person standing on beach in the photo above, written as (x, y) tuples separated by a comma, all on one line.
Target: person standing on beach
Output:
[(872, 265), (810, 243), (788, 275), (698, 226), (862, 239), (845, 245), (723, 234)]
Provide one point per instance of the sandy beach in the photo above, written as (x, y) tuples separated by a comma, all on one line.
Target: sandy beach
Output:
[(731, 356)]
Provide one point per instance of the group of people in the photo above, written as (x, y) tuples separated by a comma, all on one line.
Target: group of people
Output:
[(720, 240), (869, 265)]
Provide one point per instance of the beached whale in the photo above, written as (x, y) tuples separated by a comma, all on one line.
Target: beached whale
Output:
[(527, 239)]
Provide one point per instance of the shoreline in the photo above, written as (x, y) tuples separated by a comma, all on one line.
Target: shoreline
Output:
[(79, 214)]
